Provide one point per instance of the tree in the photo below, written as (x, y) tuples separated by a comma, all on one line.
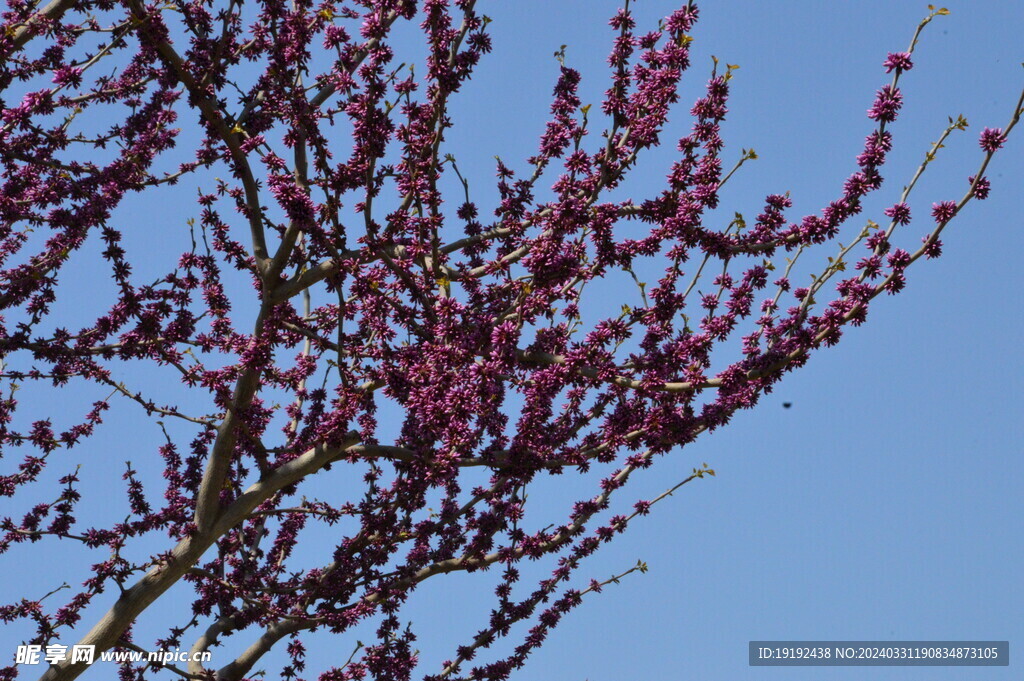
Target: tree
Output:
[(326, 289)]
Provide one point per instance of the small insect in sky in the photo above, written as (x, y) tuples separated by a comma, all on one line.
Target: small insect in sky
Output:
[(787, 405)]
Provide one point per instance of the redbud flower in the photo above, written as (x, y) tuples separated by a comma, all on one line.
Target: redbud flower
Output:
[(943, 212), (991, 139), (932, 247), (898, 259), (898, 60), (887, 104), (900, 213), (981, 189)]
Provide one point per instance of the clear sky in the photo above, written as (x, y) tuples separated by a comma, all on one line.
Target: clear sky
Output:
[(885, 503)]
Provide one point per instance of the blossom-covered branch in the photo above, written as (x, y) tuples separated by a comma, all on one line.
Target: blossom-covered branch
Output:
[(331, 303)]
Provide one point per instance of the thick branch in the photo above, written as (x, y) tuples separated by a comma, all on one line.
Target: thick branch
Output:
[(106, 633)]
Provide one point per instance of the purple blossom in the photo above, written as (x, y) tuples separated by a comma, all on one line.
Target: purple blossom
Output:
[(887, 104), (981, 187), (991, 139), (900, 213), (899, 61), (327, 303), (943, 211)]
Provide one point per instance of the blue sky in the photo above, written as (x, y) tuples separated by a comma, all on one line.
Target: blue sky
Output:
[(884, 504)]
